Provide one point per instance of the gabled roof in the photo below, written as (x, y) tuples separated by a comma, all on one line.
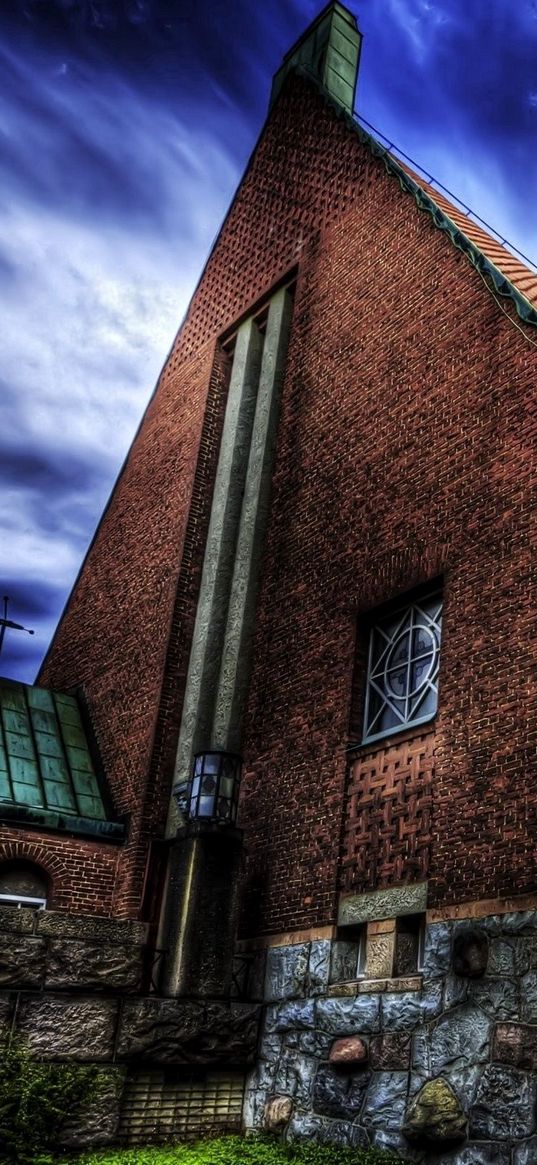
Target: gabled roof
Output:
[(48, 770), (507, 274)]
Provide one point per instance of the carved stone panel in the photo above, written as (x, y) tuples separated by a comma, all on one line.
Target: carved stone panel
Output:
[(380, 952), (356, 909)]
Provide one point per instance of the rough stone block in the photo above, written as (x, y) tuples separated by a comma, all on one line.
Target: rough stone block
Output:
[(497, 997), (437, 949), (311, 1043), (351, 1050), (89, 928), (22, 961), (356, 909), (504, 1108), (17, 921), (526, 1153), (278, 1110), (286, 972), (470, 952), (401, 1011), (390, 1051), (303, 1126), (516, 1044), (6, 1007), (97, 1124), (80, 964), (170, 1031), (525, 954), (344, 1017), (463, 1035), (294, 1077), (319, 966), (294, 1015), (502, 957), (435, 1118), (69, 1029), (486, 1154), (385, 1101), (528, 985), (339, 1094)]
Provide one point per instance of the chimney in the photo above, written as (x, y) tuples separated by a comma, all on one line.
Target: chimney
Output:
[(330, 51)]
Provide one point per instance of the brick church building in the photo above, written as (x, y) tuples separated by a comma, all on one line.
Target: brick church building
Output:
[(269, 817)]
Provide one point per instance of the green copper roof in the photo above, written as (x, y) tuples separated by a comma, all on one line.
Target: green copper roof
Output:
[(329, 50), (47, 773)]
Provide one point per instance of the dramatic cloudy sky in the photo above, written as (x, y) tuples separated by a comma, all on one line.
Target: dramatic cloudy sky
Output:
[(124, 128)]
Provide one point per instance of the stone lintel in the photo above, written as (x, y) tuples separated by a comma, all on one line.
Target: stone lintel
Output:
[(356, 909), (288, 938)]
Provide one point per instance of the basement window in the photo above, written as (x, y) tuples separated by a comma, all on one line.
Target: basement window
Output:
[(402, 667)]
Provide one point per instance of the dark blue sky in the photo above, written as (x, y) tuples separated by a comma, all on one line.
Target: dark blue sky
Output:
[(124, 128)]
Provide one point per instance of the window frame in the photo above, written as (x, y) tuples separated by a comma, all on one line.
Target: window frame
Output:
[(404, 604)]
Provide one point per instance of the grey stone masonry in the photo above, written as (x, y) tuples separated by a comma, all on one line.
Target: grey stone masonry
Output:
[(58, 951), (448, 1064)]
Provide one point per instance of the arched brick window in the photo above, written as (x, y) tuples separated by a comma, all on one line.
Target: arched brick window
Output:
[(23, 883)]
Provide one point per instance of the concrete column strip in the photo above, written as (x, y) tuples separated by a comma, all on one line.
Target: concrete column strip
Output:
[(217, 572), (236, 656)]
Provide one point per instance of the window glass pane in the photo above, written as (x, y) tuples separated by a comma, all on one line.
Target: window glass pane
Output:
[(403, 667)]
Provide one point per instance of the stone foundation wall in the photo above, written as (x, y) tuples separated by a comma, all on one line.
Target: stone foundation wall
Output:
[(70, 988), (440, 1066)]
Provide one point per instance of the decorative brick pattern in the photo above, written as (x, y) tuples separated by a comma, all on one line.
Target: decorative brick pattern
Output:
[(387, 828)]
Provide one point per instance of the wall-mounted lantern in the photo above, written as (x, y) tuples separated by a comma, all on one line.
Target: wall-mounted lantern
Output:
[(213, 792)]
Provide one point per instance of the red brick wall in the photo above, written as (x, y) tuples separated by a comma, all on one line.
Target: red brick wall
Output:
[(131, 654), (406, 450), (81, 873)]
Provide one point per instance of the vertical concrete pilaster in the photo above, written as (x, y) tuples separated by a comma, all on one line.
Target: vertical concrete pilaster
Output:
[(236, 655), (211, 615)]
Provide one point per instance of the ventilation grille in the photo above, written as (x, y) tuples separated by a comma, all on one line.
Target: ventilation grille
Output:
[(163, 1106)]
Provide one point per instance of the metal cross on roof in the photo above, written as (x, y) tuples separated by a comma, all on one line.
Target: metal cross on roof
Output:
[(5, 623)]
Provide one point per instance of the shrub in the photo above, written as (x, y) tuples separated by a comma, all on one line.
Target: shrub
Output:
[(243, 1151), (36, 1099)]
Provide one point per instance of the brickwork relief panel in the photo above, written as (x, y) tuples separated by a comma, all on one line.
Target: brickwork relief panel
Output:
[(388, 815)]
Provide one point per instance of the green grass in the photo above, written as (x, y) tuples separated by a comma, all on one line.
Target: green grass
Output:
[(242, 1151)]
